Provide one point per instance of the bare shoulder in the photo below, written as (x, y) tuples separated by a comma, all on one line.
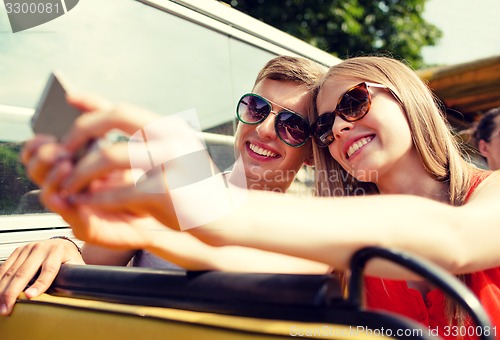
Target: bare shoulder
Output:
[(488, 189)]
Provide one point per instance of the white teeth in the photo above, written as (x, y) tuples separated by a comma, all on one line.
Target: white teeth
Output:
[(355, 146), (260, 151)]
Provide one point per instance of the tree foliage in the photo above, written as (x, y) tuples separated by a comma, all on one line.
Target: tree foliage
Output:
[(349, 28), (13, 180)]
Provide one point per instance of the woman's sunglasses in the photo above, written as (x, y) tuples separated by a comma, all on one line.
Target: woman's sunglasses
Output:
[(291, 128), (353, 105)]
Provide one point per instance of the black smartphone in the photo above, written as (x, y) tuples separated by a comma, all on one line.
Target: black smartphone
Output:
[(53, 115)]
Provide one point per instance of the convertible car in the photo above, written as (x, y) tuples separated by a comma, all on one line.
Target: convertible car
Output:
[(168, 56)]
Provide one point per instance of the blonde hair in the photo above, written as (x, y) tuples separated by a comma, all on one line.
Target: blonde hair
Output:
[(431, 135)]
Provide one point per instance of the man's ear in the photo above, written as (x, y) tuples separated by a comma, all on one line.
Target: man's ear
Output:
[(484, 148)]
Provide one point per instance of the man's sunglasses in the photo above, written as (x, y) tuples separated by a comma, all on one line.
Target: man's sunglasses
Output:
[(291, 128), (353, 105)]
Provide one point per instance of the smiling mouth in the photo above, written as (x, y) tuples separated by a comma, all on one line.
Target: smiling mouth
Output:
[(358, 145), (262, 152)]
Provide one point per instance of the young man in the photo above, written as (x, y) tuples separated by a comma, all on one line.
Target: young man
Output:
[(272, 146)]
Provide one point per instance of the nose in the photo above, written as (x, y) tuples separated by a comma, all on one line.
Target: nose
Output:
[(340, 126), (266, 128)]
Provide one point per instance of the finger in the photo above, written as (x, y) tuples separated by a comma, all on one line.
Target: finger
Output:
[(6, 270), (51, 194), (133, 200), (33, 144), (55, 200), (49, 269), (88, 102), (57, 175), (124, 199), (8, 263), (86, 128), (96, 124), (96, 165), (14, 280), (44, 159)]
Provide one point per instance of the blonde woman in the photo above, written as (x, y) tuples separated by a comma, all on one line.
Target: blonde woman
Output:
[(399, 143)]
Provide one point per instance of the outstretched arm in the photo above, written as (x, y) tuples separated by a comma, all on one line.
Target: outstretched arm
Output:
[(329, 230)]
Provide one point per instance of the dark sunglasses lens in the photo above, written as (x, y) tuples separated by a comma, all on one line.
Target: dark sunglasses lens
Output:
[(355, 103), (292, 128), (253, 109), (322, 129)]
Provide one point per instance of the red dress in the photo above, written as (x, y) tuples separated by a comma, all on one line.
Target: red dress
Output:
[(395, 296)]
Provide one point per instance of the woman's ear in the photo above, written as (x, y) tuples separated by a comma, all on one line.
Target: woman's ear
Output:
[(484, 148)]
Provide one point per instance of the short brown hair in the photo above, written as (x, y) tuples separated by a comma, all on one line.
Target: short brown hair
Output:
[(297, 69)]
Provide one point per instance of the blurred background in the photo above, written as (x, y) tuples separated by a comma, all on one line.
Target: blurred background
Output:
[(468, 31), (454, 45), (423, 32)]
